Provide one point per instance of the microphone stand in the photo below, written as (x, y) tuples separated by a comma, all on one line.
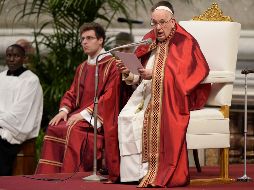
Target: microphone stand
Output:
[(94, 176), (245, 178)]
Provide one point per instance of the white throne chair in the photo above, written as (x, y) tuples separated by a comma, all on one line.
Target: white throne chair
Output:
[(209, 127)]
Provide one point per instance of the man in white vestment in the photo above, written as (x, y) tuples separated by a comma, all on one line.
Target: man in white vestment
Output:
[(21, 105)]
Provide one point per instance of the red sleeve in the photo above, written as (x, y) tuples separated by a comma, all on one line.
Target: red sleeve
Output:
[(196, 68), (190, 68), (193, 74), (70, 97)]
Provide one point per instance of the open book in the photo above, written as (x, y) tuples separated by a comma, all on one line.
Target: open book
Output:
[(130, 60)]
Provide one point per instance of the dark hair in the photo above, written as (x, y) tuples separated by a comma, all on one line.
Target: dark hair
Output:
[(124, 38), (20, 48), (163, 3), (98, 29)]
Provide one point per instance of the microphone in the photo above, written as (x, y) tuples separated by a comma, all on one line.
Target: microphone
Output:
[(120, 19), (247, 71), (147, 41)]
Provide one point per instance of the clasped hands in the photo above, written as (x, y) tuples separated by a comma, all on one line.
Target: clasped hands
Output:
[(144, 73)]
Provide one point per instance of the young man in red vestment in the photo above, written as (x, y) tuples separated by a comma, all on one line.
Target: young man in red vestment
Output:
[(152, 125), (74, 122)]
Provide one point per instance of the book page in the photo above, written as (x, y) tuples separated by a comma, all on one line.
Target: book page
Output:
[(130, 60)]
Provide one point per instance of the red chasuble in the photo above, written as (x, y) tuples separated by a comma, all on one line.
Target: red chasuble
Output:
[(178, 70), (63, 145)]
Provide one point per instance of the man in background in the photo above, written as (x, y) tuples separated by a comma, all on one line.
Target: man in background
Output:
[(123, 38), (30, 51), (27, 45)]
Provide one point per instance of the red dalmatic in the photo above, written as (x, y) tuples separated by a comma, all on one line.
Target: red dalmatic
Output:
[(63, 145)]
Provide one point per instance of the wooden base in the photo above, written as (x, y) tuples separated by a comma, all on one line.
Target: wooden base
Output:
[(223, 176), (211, 181), (25, 162)]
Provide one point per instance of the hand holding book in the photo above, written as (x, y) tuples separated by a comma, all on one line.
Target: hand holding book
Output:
[(130, 61)]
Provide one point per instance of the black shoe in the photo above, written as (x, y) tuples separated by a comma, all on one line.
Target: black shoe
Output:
[(103, 171)]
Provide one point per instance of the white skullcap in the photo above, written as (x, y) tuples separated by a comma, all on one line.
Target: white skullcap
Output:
[(164, 8)]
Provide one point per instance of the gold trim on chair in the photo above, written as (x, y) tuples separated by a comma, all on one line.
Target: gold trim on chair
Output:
[(225, 111), (211, 181), (224, 175), (214, 13), (224, 157)]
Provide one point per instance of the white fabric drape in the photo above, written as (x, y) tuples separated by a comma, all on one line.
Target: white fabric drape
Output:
[(130, 126)]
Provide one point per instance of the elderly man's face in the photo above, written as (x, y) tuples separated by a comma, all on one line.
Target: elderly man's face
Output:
[(162, 22)]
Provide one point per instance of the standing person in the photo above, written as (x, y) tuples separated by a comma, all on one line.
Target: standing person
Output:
[(21, 104), (30, 50), (152, 126), (74, 122), (27, 45), (123, 38)]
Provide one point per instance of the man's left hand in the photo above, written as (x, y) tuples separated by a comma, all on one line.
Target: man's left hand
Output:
[(74, 119), (146, 73)]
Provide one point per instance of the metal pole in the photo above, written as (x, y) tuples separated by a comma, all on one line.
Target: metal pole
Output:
[(94, 176), (245, 178)]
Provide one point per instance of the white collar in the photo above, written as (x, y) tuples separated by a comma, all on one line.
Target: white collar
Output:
[(92, 61)]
